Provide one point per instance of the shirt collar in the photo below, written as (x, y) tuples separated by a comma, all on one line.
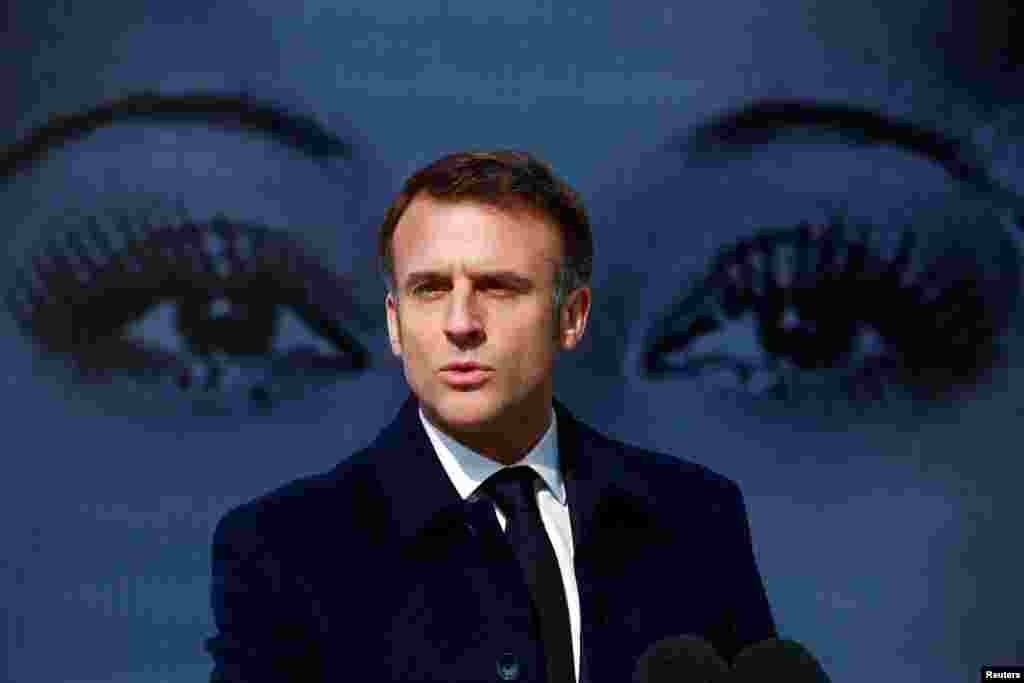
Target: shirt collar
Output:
[(467, 469)]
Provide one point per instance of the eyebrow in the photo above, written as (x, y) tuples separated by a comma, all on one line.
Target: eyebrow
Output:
[(293, 129), (764, 120), (508, 276)]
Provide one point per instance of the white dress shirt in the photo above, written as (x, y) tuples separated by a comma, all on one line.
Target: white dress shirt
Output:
[(467, 470)]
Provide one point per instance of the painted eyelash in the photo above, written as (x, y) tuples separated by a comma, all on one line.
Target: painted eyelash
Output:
[(941, 319), (81, 286)]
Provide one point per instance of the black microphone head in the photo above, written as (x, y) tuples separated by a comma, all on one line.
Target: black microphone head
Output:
[(680, 658), (777, 660)]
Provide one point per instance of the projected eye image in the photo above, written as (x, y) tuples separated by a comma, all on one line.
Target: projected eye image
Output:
[(845, 318), (100, 296)]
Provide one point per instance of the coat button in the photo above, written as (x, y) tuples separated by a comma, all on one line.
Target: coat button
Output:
[(508, 667)]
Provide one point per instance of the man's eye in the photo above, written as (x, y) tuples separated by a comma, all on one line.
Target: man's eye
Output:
[(812, 314), (196, 308), (421, 289), (499, 289)]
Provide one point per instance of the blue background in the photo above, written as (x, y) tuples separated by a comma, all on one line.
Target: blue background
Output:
[(889, 544)]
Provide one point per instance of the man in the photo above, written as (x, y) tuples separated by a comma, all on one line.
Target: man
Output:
[(412, 559)]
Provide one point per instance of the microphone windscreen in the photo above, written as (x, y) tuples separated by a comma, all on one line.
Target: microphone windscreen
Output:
[(680, 658), (777, 660)]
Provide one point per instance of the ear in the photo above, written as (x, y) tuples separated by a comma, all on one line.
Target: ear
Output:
[(572, 320), (394, 332)]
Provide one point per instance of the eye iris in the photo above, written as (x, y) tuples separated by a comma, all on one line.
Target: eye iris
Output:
[(811, 339), (227, 324)]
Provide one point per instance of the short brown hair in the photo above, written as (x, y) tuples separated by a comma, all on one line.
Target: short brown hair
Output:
[(506, 179)]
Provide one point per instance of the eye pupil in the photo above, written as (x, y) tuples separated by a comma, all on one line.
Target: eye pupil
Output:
[(227, 324), (259, 394), (806, 335)]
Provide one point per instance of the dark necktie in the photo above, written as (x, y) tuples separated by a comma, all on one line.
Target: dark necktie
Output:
[(513, 490)]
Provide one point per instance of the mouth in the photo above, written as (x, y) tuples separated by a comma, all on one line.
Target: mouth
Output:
[(466, 378)]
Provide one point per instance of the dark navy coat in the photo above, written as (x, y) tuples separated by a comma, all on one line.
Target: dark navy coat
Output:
[(377, 570)]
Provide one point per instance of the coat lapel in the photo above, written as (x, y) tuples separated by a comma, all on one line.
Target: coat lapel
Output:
[(601, 492), (607, 506)]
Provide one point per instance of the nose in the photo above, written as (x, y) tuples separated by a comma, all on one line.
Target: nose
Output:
[(462, 324)]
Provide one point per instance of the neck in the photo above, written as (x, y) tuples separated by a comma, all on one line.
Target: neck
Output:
[(511, 438)]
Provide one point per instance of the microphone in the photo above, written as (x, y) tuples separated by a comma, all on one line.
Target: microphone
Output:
[(777, 660), (680, 658)]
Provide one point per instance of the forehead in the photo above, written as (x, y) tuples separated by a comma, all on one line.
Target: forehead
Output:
[(433, 231)]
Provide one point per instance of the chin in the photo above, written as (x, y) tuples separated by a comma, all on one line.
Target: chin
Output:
[(465, 408)]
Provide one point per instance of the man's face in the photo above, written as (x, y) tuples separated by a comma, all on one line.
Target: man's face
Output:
[(475, 283)]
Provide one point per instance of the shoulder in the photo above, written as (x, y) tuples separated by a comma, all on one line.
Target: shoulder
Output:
[(669, 480), (301, 506), (677, 495)]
